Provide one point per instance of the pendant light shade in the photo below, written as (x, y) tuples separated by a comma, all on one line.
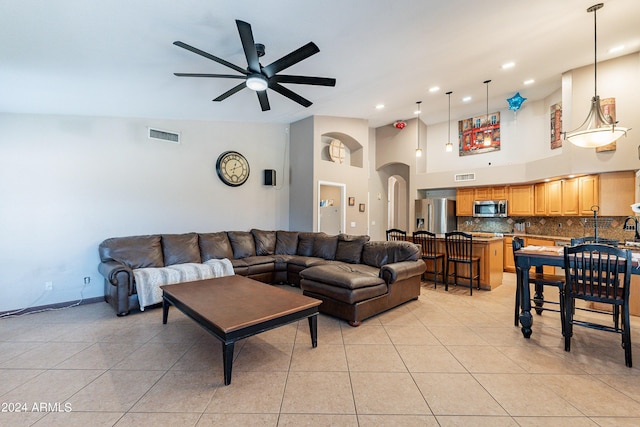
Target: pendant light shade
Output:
[(418, 149), (449, 146), (597, 129)]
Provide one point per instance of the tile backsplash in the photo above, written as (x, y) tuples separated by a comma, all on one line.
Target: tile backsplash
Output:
[(608, 227)]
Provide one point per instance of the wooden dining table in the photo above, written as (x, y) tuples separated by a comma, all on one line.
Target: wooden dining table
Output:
[(539, 256)]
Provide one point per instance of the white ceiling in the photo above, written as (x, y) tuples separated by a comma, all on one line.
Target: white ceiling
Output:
[(116, 58)]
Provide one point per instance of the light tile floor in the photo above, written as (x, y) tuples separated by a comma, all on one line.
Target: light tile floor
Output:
[(447, 359)]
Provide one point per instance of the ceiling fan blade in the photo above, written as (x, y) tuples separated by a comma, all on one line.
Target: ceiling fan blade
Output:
[(292, 58), (304, 80), (264, 100), (231, 91), (224, 76), (290, 94), (211, 57), (249, 45)]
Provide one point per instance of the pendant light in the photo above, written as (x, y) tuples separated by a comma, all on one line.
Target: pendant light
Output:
[(418, 149), (449, 146), (486, 139), (597, 129)]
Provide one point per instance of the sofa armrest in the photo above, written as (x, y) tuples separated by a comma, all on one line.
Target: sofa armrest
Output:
[(111, 269), (397, 271)]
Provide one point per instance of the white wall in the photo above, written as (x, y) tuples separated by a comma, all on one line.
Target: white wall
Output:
[(67, 183)]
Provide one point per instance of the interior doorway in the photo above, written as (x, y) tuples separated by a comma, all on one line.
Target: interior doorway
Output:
[(397, 205), (331, 207)]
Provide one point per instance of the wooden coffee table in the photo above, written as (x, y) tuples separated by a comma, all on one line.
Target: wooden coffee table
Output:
[(235, 307)]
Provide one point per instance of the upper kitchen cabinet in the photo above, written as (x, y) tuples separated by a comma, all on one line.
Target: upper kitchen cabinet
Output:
[(570, 197), (491, 193), (521, 199), (464, 201), (589, 188), (540, 199)]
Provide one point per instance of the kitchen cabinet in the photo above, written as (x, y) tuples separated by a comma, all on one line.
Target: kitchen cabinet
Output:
[(588, 197), (540, 199), (521, 199), (490, 251), (491, 193), (554, 198), (464, 201), (570, 197)]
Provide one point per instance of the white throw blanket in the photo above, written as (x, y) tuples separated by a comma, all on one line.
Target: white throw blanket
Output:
[(149, 280)]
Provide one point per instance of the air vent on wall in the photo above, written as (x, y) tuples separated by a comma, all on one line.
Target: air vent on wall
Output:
[(464, 177), (164, 135)]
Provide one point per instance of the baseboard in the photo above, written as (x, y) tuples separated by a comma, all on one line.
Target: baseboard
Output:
[(56, 306)]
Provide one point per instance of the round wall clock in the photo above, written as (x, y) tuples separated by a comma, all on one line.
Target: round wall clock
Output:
[(232, 168)]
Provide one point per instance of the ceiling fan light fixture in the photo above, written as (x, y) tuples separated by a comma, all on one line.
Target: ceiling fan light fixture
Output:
[(257, 82), (597, 130)]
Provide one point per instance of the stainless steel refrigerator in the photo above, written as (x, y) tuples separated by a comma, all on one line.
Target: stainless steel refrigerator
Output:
[(437, 215)]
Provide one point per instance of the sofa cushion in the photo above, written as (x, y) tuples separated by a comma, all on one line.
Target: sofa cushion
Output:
[(180, 248), (305, 244), (348, 296), (343, 275), (133, 251), (215, 246), (265, 241), (286, 242), (242, 243), (350, 248), (325, 247), (378, 254)]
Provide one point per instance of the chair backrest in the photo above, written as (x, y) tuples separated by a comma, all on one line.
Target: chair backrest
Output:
[(458, 244), (426, 240), (593, 239), (597, 272), (395, 234)]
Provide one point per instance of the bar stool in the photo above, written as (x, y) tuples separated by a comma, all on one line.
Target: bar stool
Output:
[(428, 243), (459, 248)]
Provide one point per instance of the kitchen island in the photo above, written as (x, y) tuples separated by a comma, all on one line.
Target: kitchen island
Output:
[(489, 248)]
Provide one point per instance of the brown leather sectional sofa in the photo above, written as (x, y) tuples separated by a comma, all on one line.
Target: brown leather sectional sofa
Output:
[(355, 278)]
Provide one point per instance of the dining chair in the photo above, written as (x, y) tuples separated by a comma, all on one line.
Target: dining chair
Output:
[(428, 243), (539, 280), (598, 273), (395, 234), (459, 250), (593, 239)]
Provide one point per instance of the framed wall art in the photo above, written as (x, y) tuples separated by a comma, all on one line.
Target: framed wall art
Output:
[(479, 134), (352, 201), (556, 125), (361, 208)]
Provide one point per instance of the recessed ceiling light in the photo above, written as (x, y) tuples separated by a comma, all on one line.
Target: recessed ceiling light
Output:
[(434, 89), (529, 82), (616, 49), (508, 65), (466, 99), (379, 106)]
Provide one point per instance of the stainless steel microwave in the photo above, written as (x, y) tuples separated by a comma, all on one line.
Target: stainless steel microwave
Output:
[(490, 208)]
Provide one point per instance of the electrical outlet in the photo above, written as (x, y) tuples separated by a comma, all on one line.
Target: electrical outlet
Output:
[(87, 280), (48, 286)]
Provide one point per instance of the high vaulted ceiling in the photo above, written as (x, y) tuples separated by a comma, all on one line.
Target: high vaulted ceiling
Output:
[(116, 58)]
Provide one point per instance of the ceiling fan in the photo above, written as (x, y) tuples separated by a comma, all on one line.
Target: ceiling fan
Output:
[(261, 78)]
